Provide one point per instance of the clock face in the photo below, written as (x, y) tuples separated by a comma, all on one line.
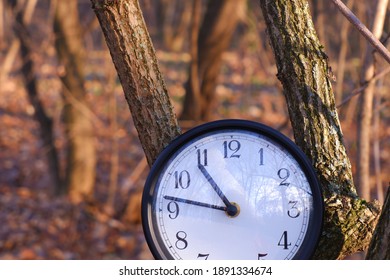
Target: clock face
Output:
[(232, 190)]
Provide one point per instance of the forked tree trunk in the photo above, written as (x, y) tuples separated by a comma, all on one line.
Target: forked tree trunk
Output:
[(81, 159), (303, 70), (136, 63), (302, 67)]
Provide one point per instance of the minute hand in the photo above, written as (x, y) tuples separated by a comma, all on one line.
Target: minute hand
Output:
[(214, 185)]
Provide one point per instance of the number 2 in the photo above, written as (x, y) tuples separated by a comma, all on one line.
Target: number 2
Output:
[(283, 174)]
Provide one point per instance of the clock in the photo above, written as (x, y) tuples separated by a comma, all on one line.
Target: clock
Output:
[(232, 189)]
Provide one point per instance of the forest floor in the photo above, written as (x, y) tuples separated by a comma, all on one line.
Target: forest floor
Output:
[(36, 225)]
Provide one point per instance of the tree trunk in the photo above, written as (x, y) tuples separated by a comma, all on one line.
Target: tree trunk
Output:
[(365, 107), (214, 37), (192, 108), (380, 244), (135, 61), (23, 14), (303, 70), (175, 25), (81, 157), (25, 19)]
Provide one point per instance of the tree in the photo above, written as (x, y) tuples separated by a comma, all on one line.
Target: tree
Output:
[(81, 154), (214, 37), (380, 244), (135, 61), (303, 70), (366, 105), (23, 12)]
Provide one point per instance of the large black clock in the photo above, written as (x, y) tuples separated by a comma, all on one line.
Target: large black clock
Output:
[(232, 189)]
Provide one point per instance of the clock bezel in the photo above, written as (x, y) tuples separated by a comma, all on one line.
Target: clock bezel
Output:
[(314, 228)]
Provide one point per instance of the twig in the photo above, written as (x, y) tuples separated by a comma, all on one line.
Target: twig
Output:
[(363, 87), (363, 29)]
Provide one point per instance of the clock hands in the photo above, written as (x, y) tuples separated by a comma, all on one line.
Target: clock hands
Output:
[(197, 203), (232, 209)]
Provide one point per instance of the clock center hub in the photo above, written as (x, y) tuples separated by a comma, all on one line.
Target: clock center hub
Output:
[(233, 210)]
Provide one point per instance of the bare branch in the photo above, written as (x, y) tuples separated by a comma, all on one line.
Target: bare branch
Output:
[(363, 87), (363, 29)]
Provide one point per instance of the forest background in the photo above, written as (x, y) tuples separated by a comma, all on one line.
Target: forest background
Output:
[(42, 218)]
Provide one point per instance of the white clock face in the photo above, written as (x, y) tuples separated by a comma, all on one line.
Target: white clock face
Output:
[(231, 194)]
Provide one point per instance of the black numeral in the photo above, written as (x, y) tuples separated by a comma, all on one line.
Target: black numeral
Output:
[(260, 256), (203, 256), (284, 241), (202, 157), (261, 154), (182, 179), (231, 148), (283, 174), (181, 242), (293, 212), (173, 209)]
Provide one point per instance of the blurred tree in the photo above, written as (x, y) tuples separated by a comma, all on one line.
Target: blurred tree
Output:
[(218, 26), (366, 106), (2, 24), (23, 11), (303, 70), (81, 154), (174, 18), (344, 44)]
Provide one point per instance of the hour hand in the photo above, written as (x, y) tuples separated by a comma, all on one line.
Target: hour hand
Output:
[(197, 203), (231, 208)]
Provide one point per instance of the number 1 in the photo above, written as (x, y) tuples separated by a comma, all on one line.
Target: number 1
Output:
[(202, 157), (261, 152)]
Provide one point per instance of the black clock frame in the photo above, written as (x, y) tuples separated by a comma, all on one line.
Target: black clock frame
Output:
[(314, 229)]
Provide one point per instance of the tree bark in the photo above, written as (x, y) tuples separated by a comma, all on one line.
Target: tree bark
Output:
[(81, 154), (380, 243), (135, 61), (366, 105), (215, 34), (303, 70)]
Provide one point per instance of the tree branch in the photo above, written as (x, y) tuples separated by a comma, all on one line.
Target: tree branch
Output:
[(359, 90), (142, 82), (363, 29)]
